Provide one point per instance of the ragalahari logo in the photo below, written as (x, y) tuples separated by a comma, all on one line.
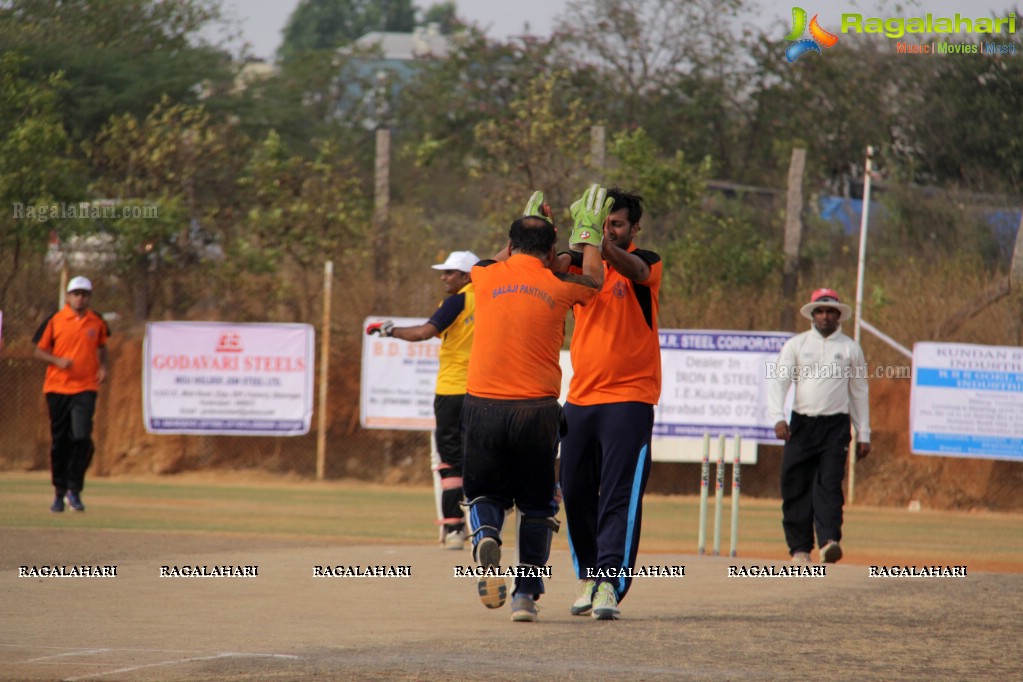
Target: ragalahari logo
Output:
[(818, 36)]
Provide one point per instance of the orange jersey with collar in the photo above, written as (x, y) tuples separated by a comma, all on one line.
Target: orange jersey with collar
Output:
[(520, 325), (616, 351), (68, 336)]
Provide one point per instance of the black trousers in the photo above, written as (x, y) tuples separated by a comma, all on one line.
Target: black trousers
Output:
[(509, 448), (71, 432), (812, 470), (447, 410)]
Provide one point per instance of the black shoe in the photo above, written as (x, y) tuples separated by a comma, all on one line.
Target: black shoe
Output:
[(58, 504), (493, 589), (74, 501), (831, 552)]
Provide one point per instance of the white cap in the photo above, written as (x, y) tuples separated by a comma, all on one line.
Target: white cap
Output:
[(459, 260), (79, 284)]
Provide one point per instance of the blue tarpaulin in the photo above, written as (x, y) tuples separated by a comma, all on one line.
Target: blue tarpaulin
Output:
[(1004, 223)]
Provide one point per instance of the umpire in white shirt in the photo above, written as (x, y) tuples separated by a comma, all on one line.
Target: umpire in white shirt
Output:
[(830, 377)]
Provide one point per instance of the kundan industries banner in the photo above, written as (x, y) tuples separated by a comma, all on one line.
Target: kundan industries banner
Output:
[(967, 401), (222, 378)]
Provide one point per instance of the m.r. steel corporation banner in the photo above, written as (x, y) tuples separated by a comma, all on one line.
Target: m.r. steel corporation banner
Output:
[(716, 382), (225, 378)]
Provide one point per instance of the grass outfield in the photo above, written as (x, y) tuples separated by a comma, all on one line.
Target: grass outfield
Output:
[(365, 513)]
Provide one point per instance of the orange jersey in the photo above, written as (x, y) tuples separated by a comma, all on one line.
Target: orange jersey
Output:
[(520, 325), (68, 336), (616, 352)]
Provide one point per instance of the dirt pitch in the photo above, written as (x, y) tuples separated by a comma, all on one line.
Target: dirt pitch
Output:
[(286, 624)]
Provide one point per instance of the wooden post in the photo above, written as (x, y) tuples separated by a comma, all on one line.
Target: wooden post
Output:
[(381, 205), (1016, 271), (793, 236), (321, 420), (597, 148), (381, 247)]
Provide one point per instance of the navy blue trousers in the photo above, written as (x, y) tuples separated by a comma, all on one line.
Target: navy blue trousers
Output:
[(605, 463), (812, 470)]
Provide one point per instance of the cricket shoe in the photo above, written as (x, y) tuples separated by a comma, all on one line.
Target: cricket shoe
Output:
[(493, 589), (455, 540), (524, 609), (584, 603), (58, 503), (831, 552), (801, 558), (74, 501), (605, 603)]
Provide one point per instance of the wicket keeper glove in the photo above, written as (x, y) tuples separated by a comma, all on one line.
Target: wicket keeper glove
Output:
[(536, 207), (385, 328), (589, 213)]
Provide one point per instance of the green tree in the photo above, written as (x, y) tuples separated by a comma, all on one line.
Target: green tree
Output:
[(37, 166), (116, 57), (444, 15), (320, 95), (707, 246), (671, 67), (182, 162), (540, 141), (479, 83), (833, 105), (330, 24), (301, 213), (975, 100), (669, 185)]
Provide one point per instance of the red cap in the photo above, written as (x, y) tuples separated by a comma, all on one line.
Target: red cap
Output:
[(824, 295)]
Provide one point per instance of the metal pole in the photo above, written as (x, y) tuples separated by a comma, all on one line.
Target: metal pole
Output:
[(719, 494), (701, 541), (860, 266), (863, 244), (321, 420), (736, 468)]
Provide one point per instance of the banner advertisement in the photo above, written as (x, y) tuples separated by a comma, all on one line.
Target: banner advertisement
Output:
[(225, 378), (967, 401), (399, 380), (714, 382)]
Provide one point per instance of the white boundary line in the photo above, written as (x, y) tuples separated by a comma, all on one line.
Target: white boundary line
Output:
[(79, 652), (179, 661)]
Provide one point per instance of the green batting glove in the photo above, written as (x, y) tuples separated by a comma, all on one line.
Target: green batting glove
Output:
[(536, 207), (589, 213)]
